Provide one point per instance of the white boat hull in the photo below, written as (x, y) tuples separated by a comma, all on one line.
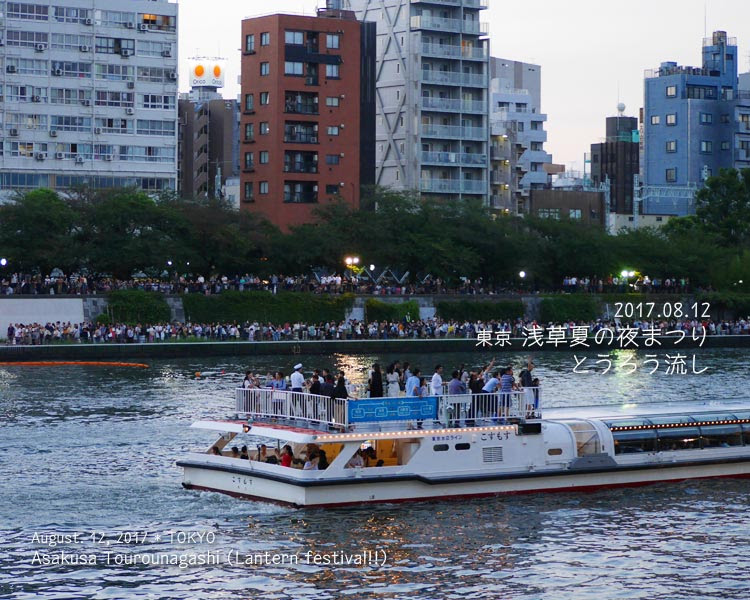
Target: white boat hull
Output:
[(403, 488)]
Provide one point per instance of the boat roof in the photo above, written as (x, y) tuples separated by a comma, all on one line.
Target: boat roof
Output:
[(645, 409)]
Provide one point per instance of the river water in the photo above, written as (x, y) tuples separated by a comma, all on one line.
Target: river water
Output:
[(89, 453)]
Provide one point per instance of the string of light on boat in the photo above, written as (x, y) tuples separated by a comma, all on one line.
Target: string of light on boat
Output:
[(670, 425)]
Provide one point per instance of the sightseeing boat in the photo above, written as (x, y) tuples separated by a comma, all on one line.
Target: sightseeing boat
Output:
[(442, 447)]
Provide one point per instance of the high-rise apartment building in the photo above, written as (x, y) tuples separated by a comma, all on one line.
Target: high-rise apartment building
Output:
[(308, 119), (89, 93), (432, 95), (209, 129), (695, 123), (516, 114)]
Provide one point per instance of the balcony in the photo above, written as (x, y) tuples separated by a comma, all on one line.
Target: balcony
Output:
[(453, 51), (301, 108), (455, 159), (440, 186), (452, 186), (497, 153), (301, 138), (446, 2), (475, 27), (454, 78), (436, 24), (499, 178), (480, 4), (301, 197), (742, 154), (453, 105), (454, 131), (301, 167)]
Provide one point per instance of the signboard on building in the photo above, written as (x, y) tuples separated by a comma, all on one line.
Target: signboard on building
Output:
[(207, 73)]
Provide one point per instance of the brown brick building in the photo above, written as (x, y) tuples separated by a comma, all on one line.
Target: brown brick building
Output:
[(307, 133)]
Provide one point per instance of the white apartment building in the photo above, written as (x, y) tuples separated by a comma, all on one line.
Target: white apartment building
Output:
[(89, 94), (432, 95)]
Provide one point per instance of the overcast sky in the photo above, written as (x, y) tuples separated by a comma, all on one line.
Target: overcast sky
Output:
[(588, 49)]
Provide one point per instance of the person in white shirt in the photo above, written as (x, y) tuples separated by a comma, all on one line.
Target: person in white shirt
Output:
[(436, 385), (297, 378)]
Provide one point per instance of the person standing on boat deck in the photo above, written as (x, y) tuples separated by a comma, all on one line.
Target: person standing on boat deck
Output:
[(391, 378), (315, 385), (287, 456), (455, 385), (436, 384), (412, 384), (376, 382), (297, 378), (507, 385), (493, 383), (326, 387)]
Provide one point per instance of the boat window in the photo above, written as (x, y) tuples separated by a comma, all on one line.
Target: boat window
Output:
[(721, 436), (587, 438), (713, 417), (634, 442), (670, 419), (627, 423), (463, 446), (679, 438), (440, 447), (746, 434), (555, 451), (744, 416)]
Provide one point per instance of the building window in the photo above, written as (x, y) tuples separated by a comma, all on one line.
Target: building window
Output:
[(250, 43), (333, 130), (655, 120), (265, 68), (332, 190), (671, 91), (332, 101), (672, 119), (249, 132), (265, 38), (575, 213), (725, 146), (548, 213), (248, 191), (672, 146), (249, 102), (333, 41), (249, 160), (265, 129), (265, 98), (332, 71), (707, 147), (707, 118), (671, 175), (294, 38), (263, 187), (536, 126), (725, 118), (263, 157), (333, 159), (293, 68)]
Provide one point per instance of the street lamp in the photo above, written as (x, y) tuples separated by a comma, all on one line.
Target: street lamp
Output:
[(169, 263), (3, 262), (522, 274)]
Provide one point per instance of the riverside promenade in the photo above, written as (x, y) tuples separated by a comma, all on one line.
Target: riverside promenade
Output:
[(156, 350)]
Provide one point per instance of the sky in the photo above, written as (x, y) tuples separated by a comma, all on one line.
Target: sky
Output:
[(593, 52)]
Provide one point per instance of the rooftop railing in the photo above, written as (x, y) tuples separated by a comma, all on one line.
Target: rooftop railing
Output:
[(383, 414)]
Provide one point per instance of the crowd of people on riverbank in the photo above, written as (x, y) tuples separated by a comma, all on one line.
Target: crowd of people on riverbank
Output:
[(58, 283), (435, 328)]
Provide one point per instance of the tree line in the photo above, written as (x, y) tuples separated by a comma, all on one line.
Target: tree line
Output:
[(122, 232)]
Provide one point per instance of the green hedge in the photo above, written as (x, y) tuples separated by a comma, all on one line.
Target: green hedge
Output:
[(386, 311), (568, 308), (264, 307), (722, 302), (466, 310), (136, 306)]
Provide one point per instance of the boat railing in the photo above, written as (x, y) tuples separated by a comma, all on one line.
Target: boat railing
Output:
[(323, 412), (268, 403)]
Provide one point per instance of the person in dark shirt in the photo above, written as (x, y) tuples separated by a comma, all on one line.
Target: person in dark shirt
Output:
[(326, 388), (315, 385), (376, 382)]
